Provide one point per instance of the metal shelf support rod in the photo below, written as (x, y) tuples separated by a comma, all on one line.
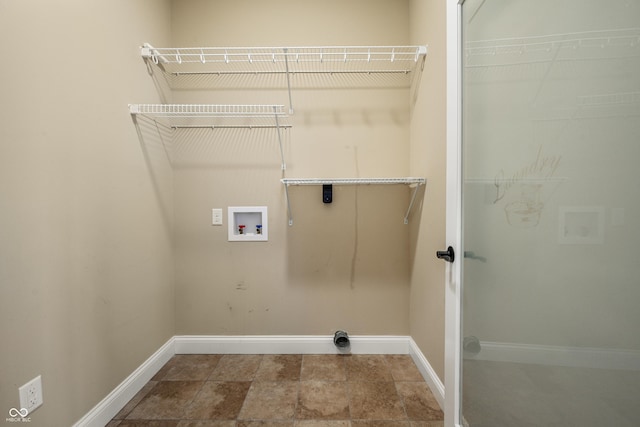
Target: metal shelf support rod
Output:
[(413, 199), (286, 194), (282, 163), (286, 64)]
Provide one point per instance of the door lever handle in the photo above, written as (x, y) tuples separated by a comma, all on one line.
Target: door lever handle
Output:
[(448, 255)]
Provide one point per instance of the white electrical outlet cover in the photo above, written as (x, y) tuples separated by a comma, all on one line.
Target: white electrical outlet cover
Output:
[(31, 394)]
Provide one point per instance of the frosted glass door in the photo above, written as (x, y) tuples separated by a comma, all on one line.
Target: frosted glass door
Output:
[(551, 210)]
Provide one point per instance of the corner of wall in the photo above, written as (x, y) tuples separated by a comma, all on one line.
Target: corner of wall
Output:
[(427, 152)]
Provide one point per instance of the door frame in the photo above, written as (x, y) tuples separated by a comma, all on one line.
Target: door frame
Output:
[(453, 271)]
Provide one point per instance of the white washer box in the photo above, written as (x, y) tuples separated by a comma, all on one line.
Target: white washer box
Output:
[(252, 220)]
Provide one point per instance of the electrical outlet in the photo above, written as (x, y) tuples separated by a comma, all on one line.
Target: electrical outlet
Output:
[(31, 394)]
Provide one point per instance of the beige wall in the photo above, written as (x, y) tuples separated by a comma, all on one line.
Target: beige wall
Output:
[(427, 154), (85, 220), (340, 266)]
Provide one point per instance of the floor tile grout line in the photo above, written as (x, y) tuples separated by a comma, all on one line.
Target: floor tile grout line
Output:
[(401, 399), (349, 394), (188, 405)]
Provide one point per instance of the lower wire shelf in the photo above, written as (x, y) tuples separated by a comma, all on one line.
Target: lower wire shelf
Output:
[(416, 182)]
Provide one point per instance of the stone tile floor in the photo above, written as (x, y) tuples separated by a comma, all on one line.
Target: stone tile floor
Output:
[(284, 390)]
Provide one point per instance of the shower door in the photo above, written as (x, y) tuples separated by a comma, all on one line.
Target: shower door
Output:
[(550, 255)]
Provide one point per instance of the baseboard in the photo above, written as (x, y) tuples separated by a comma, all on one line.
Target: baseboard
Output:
[(428, 373), (559, 356), (288, 344), (109, 407)]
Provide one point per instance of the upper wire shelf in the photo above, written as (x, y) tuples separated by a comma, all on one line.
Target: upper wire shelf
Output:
[(299, 67), (362, 58)]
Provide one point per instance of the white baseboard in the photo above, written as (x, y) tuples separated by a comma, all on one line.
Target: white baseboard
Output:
[(582, 357), (109, 407), (429, 375), (288, 344)]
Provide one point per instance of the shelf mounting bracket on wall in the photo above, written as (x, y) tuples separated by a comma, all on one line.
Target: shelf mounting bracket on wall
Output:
[(411, 181)]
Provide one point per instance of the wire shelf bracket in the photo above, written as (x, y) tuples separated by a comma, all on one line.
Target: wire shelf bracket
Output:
[(411, 181)]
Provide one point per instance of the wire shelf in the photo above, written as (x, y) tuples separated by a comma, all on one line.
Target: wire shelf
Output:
[(214, 116), (207, 110), (416, 182), (400, 56), (353, 181), (299, 67)]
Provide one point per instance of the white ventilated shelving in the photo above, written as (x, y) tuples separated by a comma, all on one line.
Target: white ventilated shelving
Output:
[(416, 182), (353, 181), (190, 63), (214, 116), (303, 66), (307, 59)]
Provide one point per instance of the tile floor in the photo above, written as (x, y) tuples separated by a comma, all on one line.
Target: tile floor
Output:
[(284, 390)]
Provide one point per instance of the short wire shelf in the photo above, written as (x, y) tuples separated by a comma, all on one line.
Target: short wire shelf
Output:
[(416, 182), (214, 116)]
